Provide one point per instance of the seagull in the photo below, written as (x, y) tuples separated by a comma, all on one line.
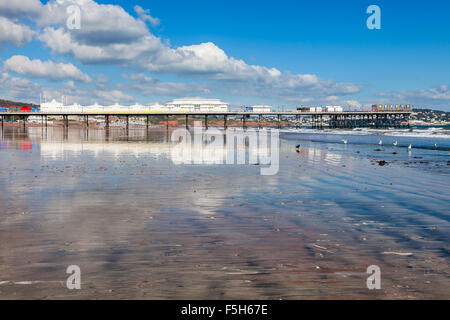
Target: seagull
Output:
[(297, 146), (345, 141), (409, 147), (380, 143), (395, 143)]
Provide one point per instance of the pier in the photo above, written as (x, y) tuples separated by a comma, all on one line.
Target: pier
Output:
[(333, 120)]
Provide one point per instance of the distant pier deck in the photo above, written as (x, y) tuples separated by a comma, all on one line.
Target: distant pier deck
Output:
[(345, 119)]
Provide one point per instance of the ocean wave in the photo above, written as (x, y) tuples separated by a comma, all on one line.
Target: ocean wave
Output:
[(433, 132)]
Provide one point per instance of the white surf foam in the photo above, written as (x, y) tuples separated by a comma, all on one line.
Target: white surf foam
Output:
[(422, 133)]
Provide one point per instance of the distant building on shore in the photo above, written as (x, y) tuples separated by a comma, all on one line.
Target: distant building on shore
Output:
[(391, 107), (261, 108), (334, 109), (52, 106), (177, 105), (197, 105)]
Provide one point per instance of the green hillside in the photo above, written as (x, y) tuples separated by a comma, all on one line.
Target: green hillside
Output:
[(5, 103)]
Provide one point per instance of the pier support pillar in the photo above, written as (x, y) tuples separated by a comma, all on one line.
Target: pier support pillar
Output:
[(243, 122), (24, 121), (206, 121), (187, 122), (259, 121), (86, 119), (279, 121), (147, 121), (128, 122), (107, 121), (167, 122), (225, 122)]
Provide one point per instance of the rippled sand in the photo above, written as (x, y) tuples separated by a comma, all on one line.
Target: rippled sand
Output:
[(141, 227)]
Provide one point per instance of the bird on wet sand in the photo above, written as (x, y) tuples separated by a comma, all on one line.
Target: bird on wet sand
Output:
[(344, 141), (380, 142), (409, 147), (395, 143)]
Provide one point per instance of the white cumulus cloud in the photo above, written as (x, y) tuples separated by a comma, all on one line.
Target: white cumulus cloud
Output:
[(17, 8), (44, 69), (18, 89), (148, 86), (145, 16), (113, 96), (433, 97), (14, 33)]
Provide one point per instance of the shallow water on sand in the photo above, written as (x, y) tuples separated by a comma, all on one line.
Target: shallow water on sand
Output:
[(140, 226)]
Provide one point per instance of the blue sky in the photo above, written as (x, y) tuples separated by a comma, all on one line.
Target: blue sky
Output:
[(284, 53)]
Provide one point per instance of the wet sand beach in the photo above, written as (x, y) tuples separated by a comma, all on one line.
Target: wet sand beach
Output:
[(141, 227)]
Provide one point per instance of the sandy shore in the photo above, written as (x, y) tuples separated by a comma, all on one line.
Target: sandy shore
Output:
[(141, 227)]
